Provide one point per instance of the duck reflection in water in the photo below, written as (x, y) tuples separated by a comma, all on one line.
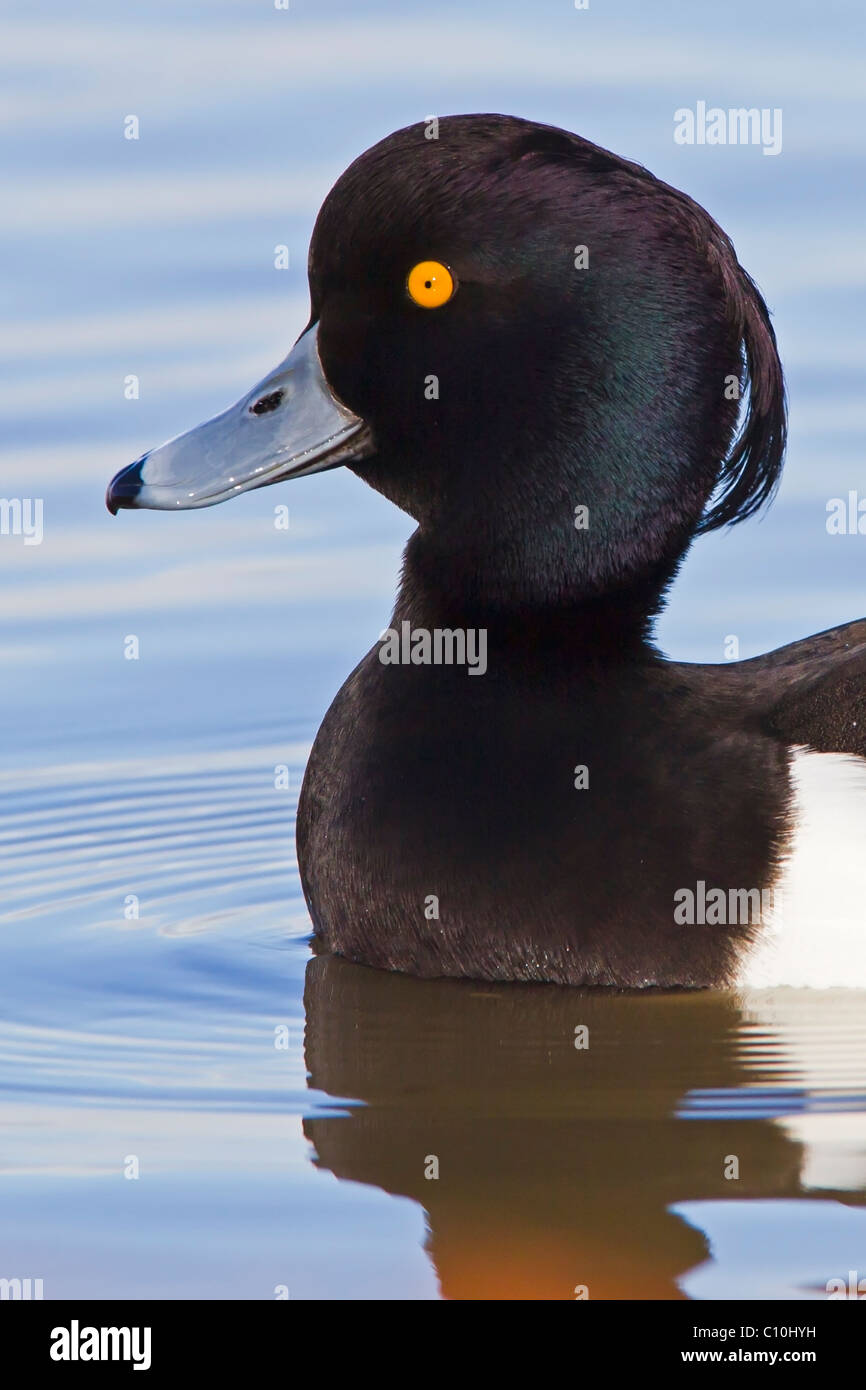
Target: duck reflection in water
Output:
[(559, 1121)]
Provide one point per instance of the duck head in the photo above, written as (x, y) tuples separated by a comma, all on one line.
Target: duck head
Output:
[(534, 347)]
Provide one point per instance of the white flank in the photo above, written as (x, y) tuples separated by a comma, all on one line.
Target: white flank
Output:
[(816, 935)]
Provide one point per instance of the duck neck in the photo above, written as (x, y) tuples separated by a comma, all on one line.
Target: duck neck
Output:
[(610, 626)]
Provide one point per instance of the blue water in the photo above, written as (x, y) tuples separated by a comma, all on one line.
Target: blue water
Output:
[(153, 934)]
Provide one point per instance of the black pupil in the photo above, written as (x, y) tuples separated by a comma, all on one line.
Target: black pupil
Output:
[(428, 284), (267, 403)]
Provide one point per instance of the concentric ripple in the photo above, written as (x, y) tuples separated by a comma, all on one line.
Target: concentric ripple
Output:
[(151, 924)]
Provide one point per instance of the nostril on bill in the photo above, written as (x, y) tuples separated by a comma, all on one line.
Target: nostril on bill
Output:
[(266, 403)]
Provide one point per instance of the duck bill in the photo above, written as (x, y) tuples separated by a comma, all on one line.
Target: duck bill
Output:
[(289, 425)]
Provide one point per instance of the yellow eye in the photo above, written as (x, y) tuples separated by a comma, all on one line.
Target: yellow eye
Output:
[(430, 283)]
